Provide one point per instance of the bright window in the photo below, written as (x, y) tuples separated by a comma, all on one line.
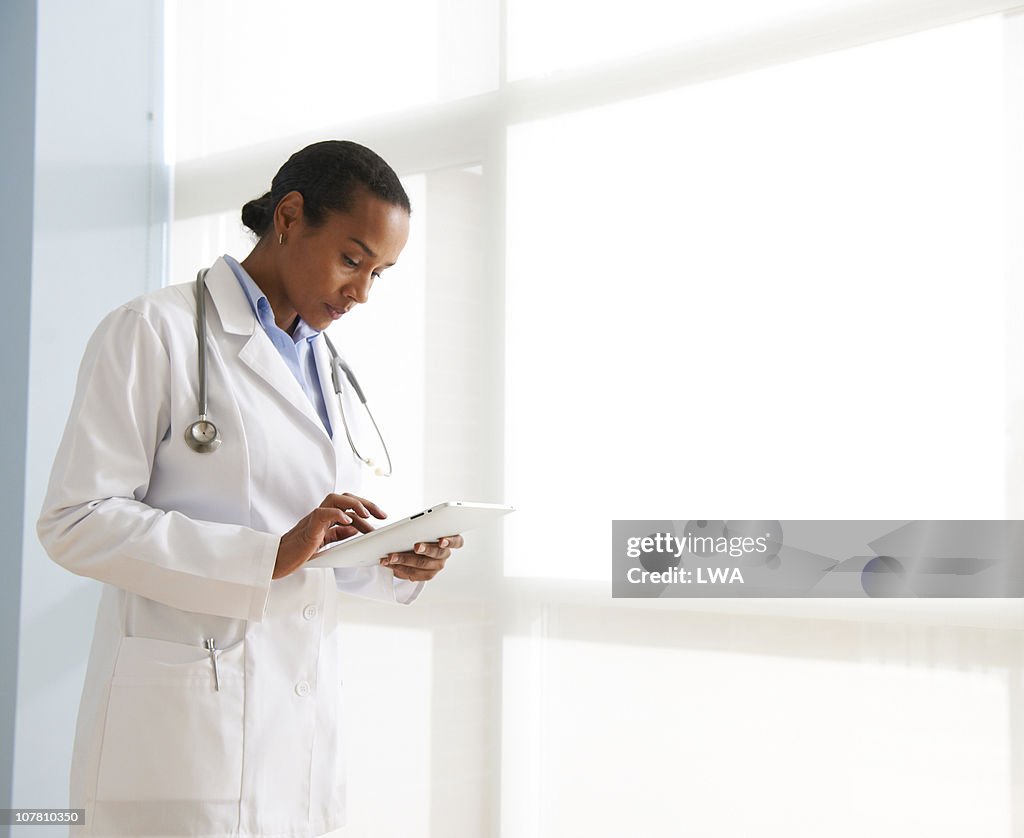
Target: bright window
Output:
[(768, 285), (605, 30), (248, 71), (776, 295), (676, 740)]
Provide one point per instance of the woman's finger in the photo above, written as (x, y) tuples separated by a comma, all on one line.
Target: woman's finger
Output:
[(412, 567), (340, 533), (411, 560), (432, 549), (370, 505), (361, 506), (347, 503), (363, 525), (320, 520)]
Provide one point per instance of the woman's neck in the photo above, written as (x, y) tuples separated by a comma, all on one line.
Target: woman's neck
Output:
[(261, 267)]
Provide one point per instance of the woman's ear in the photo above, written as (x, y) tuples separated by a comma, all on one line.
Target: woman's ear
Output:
[(287, 214)]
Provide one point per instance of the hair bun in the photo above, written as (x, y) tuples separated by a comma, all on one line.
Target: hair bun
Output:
[(256, 214), (330, 176)]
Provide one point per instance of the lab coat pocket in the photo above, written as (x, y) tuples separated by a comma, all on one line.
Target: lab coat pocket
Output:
[(169, 733)]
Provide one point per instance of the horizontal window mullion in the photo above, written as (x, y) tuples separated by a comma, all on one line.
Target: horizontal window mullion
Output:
[(422, 140), (458, 133)]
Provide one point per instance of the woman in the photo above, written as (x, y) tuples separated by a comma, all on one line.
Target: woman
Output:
[(213, 694)]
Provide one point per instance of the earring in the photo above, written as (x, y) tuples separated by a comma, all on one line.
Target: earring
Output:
[(280, 239)]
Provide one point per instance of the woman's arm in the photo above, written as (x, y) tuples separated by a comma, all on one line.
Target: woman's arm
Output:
[(93, 521)]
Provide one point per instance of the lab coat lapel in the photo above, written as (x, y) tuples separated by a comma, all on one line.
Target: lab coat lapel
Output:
[(322, 356), (258, 353)]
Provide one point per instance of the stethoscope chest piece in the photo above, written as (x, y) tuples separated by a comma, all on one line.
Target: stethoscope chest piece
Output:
[(202, 436)]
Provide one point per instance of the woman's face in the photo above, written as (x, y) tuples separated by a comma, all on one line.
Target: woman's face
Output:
[(324, 271)]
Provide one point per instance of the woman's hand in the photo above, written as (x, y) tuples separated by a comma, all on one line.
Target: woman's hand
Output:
[(426, 559), (338, 517)]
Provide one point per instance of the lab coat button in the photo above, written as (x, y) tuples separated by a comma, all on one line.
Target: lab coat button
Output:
[(309, 612), (302, 688)]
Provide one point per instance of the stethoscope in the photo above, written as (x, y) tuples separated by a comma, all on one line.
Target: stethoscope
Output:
[(202, 435)]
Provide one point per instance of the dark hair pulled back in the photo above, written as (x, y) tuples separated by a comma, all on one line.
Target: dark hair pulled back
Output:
[(328, 174)]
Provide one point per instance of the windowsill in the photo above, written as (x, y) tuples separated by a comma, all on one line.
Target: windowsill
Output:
[(999, 613)]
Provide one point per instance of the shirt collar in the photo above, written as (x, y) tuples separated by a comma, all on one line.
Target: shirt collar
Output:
[(261, 305)]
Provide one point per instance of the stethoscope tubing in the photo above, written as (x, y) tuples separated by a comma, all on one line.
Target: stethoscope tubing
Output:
[(337, 366), (201, 336)]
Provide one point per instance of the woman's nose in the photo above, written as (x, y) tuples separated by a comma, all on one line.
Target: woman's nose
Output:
[(359, 289)]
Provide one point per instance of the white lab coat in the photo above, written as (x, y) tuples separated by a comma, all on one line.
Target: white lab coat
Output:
[(185, 544)]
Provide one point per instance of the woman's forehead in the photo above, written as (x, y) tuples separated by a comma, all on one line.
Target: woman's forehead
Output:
[(373, 226)]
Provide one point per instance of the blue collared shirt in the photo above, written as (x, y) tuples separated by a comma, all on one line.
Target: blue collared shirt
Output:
[(296, 349)]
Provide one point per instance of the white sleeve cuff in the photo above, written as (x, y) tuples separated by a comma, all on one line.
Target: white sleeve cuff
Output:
[(376, 582)]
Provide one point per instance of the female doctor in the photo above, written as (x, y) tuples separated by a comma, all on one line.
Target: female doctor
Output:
[(213, 697)]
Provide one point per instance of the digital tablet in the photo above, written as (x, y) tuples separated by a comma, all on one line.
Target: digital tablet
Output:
[(449, 518)]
